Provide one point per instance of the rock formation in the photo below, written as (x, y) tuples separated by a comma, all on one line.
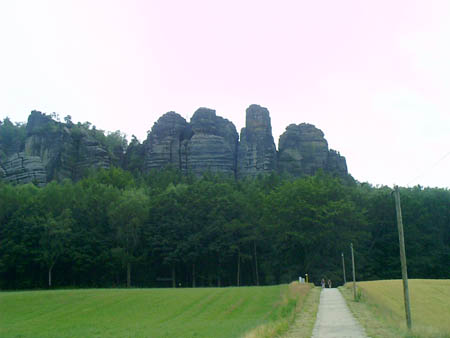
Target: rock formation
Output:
[(90, 154), (212, 145), (303, 150), (54, 150), (164, 141), (207, 143), (66, 151), (257, 153), (21, 168), (336, 164)]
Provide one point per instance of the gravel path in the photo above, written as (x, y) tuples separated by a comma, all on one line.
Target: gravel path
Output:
[(334, 319)]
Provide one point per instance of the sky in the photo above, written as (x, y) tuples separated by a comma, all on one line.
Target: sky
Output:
[(374, 76)]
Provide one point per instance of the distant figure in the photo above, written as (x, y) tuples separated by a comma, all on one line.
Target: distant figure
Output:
[(323, 283), (329, 283)]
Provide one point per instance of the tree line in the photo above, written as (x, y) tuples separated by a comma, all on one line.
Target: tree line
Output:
[(163, 229)]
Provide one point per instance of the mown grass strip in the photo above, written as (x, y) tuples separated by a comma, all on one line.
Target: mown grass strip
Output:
[(306, 316), (292, 302)]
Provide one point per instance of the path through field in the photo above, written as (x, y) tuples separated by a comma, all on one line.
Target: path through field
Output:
[(334, 319)]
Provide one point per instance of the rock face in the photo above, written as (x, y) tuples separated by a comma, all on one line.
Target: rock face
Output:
[(212, 145), (164, 141), (21, 168), (336, 163), (66, 151), (46, 140), (48, 149), (89, 154), (303, 150), (257, 153), (207, 143)]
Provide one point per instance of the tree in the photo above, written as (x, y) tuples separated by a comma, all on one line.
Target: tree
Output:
[(54, 239), (68, 120), (167, 217), (127, 216), (12, 138)]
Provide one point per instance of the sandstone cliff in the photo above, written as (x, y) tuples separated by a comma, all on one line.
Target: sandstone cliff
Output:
[(257, 153), (336, 163), (207, 143), (164, 141), (66, 150), (21, 168), (212, 145), (53, 150), (303, 150)]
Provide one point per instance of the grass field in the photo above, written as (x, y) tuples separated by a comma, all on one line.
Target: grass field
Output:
[(430, 306), (202, 312)]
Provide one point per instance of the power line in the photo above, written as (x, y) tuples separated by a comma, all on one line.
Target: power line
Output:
[(430, 168)]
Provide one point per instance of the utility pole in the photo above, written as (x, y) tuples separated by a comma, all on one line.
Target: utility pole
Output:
[(354, 278), (401, 239), (343, 267)]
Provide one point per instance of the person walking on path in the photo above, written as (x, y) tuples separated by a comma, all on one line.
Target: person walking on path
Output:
[(329, 283), (323, 283)]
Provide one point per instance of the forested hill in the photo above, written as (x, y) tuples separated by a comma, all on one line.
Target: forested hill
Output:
[(166, 228), (46, 149), (196, 205)]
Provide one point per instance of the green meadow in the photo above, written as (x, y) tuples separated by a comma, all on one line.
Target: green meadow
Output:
[(381, 307), (201, 312)]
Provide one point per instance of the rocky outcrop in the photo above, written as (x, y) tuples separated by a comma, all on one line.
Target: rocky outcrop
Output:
[(47, 140), (21, 168), (164, 141), (303, 150), (66, 150), (336, 164), (207, 143), (212, 145), (257, 153), (89, 154)]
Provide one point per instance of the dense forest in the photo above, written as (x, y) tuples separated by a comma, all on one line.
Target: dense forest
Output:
[(164, 229), (161, 228)]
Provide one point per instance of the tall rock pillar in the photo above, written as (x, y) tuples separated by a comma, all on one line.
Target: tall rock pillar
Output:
[(257, 153)]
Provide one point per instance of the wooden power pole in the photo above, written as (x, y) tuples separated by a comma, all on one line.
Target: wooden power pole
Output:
[(401, 238), (354, 278), (343, 267)]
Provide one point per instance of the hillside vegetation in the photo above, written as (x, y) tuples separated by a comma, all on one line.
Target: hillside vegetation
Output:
[(166, 229), (430, 307), (202, 312)]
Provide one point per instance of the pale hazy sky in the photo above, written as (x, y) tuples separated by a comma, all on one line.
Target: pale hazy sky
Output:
[(373, 75)]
